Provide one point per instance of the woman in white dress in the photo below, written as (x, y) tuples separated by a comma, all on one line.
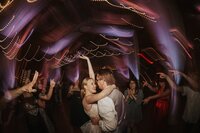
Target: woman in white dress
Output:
[(90, 97)]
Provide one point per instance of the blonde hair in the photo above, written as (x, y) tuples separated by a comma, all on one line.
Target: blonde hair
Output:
[(84, 82), (82, 93)]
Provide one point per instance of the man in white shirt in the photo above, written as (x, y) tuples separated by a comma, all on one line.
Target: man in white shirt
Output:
[(111, 108)]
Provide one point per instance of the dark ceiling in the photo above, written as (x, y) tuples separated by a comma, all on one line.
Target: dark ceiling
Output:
[(47, 35)]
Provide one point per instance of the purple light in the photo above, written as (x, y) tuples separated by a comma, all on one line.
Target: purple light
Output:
[(23, 13), (62, 43), (120, 66), (132, 62), (56, 74), (124, 72), (169, 48), (108, 30), (73, 72), (8, 72)]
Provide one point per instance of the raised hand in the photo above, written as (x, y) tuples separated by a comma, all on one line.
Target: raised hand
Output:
[(95, 120), (145, 83), (90, 68), (83, 57), (146, 100), (175, 72), (35, 77), (162, 75), (29, 87), (52, 83)]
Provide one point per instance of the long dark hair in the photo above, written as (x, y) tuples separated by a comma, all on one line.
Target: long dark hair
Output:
[(136, 83), (162, 80)]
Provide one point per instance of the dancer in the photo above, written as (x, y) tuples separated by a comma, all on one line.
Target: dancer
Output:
[(90, 107)]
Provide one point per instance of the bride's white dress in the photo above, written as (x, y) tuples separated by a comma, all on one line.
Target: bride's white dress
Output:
[(88, 127)]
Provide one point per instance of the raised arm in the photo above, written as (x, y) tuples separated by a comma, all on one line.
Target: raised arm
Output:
[(90, 68), (156, 96), (26, 88), (49, 94), (172, 84), (193, 83), (95, 97), (12, 94), (130, 95), (145, 83)]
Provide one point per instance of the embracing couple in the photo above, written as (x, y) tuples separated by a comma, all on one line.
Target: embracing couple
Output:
[(105, 109)]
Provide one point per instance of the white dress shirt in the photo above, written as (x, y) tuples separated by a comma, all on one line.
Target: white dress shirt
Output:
[(108, 115)]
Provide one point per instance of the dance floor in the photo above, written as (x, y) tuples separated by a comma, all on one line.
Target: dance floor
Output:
[(59, 114)]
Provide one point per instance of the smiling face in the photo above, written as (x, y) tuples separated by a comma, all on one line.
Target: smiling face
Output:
[(132, 84), (90, 86)]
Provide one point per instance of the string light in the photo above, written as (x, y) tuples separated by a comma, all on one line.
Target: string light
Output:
[(109, 53), (197, 39), (52, 58), (177, 40), (175, 32), (2, 7), (116, 40), (148, 77), (11, 54), (43, 57), (25, 54), (121, 6), (10, 42), (31, 1), (6, 53), (133, 25), (155, 58), (21, 44), (143, 76), (98, 54), (99, 45), (181, 40), (15, 48), (8, 34), (125, 44), (144, 57), (70, 58), (56, 64), (111, 39), (88, 49), (1, 29)]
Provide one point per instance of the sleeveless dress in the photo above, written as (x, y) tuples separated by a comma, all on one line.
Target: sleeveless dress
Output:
[(162, 107), (88, 127)]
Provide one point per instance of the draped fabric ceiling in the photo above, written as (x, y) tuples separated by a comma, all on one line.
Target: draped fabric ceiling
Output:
[(126, 35)]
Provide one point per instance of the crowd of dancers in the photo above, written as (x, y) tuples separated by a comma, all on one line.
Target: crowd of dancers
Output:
[(98, 105)]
